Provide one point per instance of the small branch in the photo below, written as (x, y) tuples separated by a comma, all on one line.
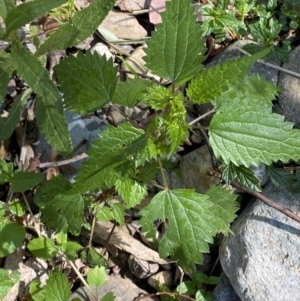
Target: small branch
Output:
[(142, 75), (27, 204), (157, 185), (63, 162), (202, 116), (268, 202), (272, 65), (105, 244), (82, 279), (92, 231)]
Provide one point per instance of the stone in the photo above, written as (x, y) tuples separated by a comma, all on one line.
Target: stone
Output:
[(224, 291), (289, 99), (102, 49), (140, 268), (194, 168), (164, 278), (131, 5), (173, 177), (123, 289), (124, 26), (261, 173), (262, 258)]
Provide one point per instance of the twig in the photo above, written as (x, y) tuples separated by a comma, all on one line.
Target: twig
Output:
[(63, 162), (202, 116), (141, 75), (268, 202), (163, 173), (272, 65), (108, 239), (28, 207)]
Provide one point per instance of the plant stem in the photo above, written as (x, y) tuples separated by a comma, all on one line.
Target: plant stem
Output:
[(92, 231), (27, 204), (157, 185), (82, 279), (163, 173), (202, 116)]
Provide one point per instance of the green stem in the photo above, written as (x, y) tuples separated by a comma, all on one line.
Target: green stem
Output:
[(82, 279), (92, 230), (28, 207), (163, 173)]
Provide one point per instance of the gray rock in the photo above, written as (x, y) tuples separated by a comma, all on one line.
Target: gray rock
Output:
[(289, 99), (141, 268), (262, 259), (194, 168), (261, 173), (224, 291), (123, 289), (102, 49)]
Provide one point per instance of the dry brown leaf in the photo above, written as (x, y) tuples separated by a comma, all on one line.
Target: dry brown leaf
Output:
[(123, 241)]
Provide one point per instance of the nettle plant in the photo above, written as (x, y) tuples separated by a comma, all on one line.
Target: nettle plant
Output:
[(125, 159)]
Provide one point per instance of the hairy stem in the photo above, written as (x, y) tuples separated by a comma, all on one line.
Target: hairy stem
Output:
[(163, 173)]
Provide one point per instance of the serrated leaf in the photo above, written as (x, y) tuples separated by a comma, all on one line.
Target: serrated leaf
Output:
[(64, 213), (186, 287), (26, 12), (91, 257), (116, 146), (23, 181), (131, 191), (242, 175), (105, 214), (281, 177), (87, 80), (49, 189), (35, 290), (118, 213), (35, 75), (175, 51), (6, 172), (188, 219), (8, 123), (262, 93), (80, 27), (70, 249), (42, 247), (7, 279), (212, 83), (16, 207), (158, 97), (6, 69), (53, 125), (224, 208), (129, 93), (5, 7), (247, 134), (96, 276), (9, 242), (108, 297), (57, 287)]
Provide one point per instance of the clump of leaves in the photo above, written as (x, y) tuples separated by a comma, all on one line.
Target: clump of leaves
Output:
[(243, 131)]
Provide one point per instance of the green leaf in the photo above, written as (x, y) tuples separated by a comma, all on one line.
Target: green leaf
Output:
[(35, 290), (87, 80), (242, 175), (96, 276), (8, 279), (189, 224), (224, 208), (57, 287), (70, 249), (124, 143), (23, 180), (8, 124), (64, 213), (281, 177), (105, 214), (131, 191), (158, 97), (129, 93), (16, 207), (175, 51), (26, 12), (6, 172), (5, 7), (35, 75), (6, 69), (9, 242), (248, 134), (80, 27), (42, 247), (53, 125), (212, 83), (91, 257), (108, 297), (186, 287), (118, 213)]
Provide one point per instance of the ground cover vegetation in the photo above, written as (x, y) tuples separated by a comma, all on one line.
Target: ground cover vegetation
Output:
[(127, 158)]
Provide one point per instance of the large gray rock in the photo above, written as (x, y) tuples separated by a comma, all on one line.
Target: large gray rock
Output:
[(262, 258), (289, 99), (224, 291)]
